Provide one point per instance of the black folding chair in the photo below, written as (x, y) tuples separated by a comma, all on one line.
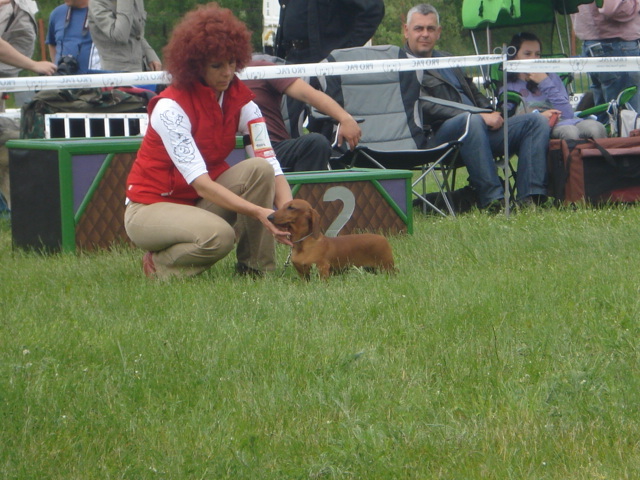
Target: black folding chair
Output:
[(392, 130)]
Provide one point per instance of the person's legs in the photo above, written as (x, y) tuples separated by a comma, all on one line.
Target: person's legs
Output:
[(591, 129), (186, 240), (253, 180), (304, 154), (587, 128), (529, 139), (607, 85), (612, 83), (566, 132), (476, 155)]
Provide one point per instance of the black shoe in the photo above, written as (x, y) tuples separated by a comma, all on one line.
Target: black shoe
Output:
[(246, 271), (464, 199), (533, 202), (494, 207), (540, 199)]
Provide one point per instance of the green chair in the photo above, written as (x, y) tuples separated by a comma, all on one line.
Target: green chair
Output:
[(609, 112)]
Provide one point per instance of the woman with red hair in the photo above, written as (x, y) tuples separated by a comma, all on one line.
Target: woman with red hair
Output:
[(187, 207)]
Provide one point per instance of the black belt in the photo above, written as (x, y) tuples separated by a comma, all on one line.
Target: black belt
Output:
[(296, 44)]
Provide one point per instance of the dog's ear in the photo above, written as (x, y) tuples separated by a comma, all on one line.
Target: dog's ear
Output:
[(314, 223)]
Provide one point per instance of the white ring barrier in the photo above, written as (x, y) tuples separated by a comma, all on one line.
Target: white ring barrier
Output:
[(573, 64), (31, 84), (364, 66), (21, 84)]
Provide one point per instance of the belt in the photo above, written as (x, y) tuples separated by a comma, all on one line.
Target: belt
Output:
[(595, 48), (297, 44), (608, 41)]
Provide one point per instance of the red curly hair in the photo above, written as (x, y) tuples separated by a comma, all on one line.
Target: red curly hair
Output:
[(209, 32)]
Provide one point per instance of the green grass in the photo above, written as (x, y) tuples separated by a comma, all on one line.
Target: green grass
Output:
[(503, 349)]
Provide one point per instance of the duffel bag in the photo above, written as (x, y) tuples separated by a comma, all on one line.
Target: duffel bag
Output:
[(595, 171)]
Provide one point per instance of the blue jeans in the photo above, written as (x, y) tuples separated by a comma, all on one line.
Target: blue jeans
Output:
[(607, 85), (528, 138)]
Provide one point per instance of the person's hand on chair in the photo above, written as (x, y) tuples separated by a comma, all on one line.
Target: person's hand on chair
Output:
[(349, 131)]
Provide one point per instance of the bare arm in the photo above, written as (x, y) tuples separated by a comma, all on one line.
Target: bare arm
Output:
[(349, 129), (11, 56)]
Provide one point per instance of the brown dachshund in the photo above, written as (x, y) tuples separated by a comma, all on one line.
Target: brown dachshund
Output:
[(329, 254)]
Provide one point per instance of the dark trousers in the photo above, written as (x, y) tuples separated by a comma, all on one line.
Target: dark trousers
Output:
[(303, 154)]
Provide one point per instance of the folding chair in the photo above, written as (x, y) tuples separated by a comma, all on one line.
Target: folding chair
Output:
[(392, 133), (610, 112)]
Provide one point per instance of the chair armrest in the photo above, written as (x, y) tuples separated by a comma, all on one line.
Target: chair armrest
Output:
[(459, 106), (326, 118)]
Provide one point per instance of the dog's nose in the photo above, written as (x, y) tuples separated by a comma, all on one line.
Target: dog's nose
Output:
[(270, 218)]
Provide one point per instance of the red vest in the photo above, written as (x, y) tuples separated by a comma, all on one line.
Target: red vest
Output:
[(154, 177)]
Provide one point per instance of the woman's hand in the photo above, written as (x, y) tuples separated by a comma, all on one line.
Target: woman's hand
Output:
[(550, 113), (536, 77), (280, 235)]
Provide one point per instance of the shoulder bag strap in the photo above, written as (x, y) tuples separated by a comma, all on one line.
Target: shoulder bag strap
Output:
[(14, 12)]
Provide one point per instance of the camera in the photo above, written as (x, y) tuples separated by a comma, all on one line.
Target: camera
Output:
[(67, 65)]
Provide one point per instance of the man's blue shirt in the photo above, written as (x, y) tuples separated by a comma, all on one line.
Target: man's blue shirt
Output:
[(69, 32)]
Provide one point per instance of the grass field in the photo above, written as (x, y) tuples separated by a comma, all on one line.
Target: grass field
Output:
[(503, 349)]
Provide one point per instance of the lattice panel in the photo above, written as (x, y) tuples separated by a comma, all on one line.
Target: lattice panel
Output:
[(372, 211), (103, 220)]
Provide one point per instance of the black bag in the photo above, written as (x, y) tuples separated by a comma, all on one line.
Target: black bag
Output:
[(89, 100), (595, 171)]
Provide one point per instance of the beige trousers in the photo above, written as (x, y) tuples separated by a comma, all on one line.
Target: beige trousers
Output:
[(188, 240)]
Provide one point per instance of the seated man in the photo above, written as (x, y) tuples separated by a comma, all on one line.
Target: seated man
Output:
[(307, 152), (528, 134)]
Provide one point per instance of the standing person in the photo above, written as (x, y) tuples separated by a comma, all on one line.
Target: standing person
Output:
[(18, 32), (610, 31), (68, 36), (309, 29), (117, 29), (18, 27), (528, 134), (186, 206), (306, 152), (546, 93)]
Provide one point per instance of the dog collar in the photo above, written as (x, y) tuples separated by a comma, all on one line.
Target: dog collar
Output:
[(303, 238)]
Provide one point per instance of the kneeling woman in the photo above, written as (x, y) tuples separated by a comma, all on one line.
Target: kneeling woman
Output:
[(186, 206)]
